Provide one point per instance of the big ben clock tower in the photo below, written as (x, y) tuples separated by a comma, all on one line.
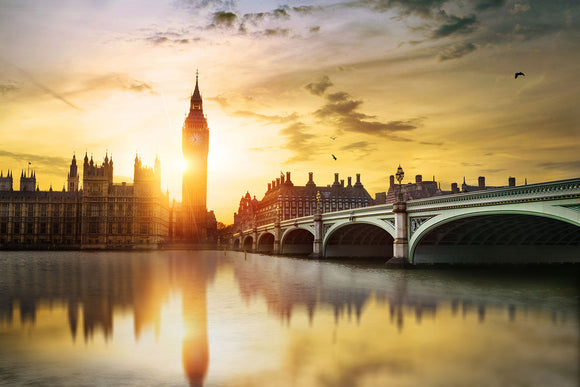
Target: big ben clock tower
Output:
[(195, 147)]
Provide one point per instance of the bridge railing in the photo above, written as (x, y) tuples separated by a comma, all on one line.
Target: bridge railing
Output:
[(541, 191)]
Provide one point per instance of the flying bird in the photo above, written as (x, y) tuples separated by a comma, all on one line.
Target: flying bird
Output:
[(518, 74), (334, 157), (333, 138)]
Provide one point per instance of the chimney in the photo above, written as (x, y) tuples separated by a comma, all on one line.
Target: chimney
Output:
[(391, 180), (282, 178), (481, 182), (288, 178), (419, 179), (358, 183), (310, 178), (277, 182), (512, 182), (454, 188), (349, 181), (269, 186), (336, 183), (342, 182)]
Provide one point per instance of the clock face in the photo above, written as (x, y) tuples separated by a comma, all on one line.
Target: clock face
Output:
[(194, 138)]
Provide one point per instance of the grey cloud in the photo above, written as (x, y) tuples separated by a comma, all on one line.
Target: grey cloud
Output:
[(46, 88), (299, 142), (457, 25), (221, 100), (483, 5), (114, 81), (319, 87), (431, 143), (359, 145), (262, 117), (456, 51), (423, 8), (6, 88), (465, 164)]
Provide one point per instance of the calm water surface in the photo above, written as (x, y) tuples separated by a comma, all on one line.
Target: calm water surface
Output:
[(178, 318)]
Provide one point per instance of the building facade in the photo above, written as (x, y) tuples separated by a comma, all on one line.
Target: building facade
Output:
[(283, 200), (99, 215)]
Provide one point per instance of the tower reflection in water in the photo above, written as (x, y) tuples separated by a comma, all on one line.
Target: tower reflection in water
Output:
[(95, 287)]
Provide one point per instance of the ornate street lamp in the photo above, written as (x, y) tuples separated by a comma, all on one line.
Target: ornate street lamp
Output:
[(399, 176)]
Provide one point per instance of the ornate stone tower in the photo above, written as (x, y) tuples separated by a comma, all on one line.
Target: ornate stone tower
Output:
[(195, 147), (73, 176)]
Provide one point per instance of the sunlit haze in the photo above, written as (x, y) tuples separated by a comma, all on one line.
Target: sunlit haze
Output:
[(426, 84)]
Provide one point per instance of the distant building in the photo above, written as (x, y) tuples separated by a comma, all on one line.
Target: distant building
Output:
[(284, 200), (418, 190), (99, 215)]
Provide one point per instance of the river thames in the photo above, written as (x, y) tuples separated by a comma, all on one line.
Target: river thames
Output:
[(217, 318)]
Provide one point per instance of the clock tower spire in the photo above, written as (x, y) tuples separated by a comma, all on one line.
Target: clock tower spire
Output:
[(195, 147)]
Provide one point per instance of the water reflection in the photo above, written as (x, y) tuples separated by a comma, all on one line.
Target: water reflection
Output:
[(94, 289)]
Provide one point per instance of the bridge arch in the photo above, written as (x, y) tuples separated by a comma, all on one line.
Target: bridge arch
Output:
[(498, 236), (265, 242), (236, 244), (359, 239), (248, 243), (297, 240)]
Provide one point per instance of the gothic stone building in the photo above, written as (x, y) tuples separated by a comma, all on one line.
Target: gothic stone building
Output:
[(285, 200), (100, 215)]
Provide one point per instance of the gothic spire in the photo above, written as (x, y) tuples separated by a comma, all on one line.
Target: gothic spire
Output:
[(196, 102)]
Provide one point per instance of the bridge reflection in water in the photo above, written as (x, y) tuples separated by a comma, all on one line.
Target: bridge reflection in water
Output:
[(216, 321)]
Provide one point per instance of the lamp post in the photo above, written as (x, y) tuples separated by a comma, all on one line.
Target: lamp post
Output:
[(400, 175)]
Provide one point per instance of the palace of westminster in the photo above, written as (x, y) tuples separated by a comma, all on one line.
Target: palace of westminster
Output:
[(101, 214)]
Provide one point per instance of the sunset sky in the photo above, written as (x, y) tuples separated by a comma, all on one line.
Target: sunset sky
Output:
[(428, 84)]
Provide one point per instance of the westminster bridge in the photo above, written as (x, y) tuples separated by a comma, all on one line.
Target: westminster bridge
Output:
[(537, 223)]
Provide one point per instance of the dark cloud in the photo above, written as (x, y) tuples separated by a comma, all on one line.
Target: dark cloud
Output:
[(483, 5), (320, 86), (457, 25), (456, 51), (431, 143), (298, 140), (342, 110), (271, 119), (376, 128), (206, 4), (466, 164), (274, 32), (52, 164), (224, 19), (568, 166), (491, 170)]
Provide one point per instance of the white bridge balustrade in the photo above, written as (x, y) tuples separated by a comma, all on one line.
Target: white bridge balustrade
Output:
[(538, 223)]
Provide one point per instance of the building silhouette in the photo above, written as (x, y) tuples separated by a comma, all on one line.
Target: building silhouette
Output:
[(284, 200), (193, 223), (99, 215)]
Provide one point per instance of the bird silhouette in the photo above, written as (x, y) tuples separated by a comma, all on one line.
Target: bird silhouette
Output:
[(518, 74), (333, 138), (334, 157)]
